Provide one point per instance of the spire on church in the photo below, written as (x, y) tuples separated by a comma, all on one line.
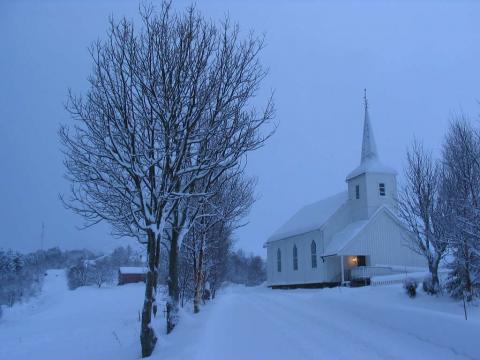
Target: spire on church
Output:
[(369, 148), (369, 162)]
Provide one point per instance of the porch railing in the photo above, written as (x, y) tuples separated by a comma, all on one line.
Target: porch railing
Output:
[(362, 272)]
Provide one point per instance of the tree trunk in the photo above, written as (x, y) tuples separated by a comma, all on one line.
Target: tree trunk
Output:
[(468, 279), (198, 279), (173, 290), (148, 339), (434, 272), (213, 286)]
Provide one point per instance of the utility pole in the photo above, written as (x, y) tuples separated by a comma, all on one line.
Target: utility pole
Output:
[(42, 236)]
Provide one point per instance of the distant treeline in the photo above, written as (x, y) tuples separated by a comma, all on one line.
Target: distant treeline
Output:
[(246, 269), (21, 275), (233, 267)]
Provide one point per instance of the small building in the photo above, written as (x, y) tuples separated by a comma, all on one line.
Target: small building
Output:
[(130, 274), (350, 236)]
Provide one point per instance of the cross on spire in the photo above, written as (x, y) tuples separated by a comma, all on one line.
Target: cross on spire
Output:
[(369, 148)]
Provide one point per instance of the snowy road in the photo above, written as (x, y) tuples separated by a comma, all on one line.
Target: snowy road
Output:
[(242, 324), (327, 324)]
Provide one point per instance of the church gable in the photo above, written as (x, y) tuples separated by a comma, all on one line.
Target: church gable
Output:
[(384, 240)]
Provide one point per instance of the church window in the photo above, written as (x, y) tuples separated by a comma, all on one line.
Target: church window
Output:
[(279, 260), (381, 189), (295, 258), (357, 191), (313, 248)]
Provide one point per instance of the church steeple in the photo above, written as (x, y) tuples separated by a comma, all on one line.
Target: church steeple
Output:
[(371, 184), (369, 148), (369, 161)]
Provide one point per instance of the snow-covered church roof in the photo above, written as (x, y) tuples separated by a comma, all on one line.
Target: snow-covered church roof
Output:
[(310, 217), (371, 166)]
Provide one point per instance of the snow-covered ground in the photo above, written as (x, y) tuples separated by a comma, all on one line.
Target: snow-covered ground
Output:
[(243, 323), (87, 323)]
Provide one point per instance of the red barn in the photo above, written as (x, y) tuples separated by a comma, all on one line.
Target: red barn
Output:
[(127, 275)]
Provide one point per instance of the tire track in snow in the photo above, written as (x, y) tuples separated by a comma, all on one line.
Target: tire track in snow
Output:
[(244, 331), (303, 348), (386, 309), (369, 336), (326, 334)]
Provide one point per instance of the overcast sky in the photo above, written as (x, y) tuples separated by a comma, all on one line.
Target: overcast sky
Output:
[(420, 62)]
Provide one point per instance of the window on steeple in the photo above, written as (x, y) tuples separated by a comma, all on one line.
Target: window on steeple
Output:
[(381, 189), (357, 191)]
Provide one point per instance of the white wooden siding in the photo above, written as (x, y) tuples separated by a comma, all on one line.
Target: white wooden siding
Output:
[(386, 243), (383, 241)]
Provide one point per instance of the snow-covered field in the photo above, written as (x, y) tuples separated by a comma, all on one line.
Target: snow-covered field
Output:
[(243, 323), (88, 323)]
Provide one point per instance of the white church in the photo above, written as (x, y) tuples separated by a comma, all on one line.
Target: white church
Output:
[(349, 236)]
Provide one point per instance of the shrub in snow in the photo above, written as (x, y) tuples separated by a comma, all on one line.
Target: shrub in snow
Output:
[(428, 286), (410, 286), (20, 277), (78, 276), (463, 281), (206, 295)]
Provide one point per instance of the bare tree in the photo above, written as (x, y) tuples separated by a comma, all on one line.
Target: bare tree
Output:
[(461, 180), (218, 216), (421, 208), (100, 271), (205, 251), (185, 272), (216, 258), (168, 106)]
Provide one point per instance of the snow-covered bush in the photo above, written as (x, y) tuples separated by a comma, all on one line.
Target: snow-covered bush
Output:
[(428, 286), (20, 277), (461, 284), (410, 286), (77, 275)]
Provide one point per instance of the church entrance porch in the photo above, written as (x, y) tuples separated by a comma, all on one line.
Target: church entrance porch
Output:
[(353, 268), (356, 270)]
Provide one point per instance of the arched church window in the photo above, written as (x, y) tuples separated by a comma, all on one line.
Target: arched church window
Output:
[(313, 248), (357, 192), (279, 260), (295, 258)]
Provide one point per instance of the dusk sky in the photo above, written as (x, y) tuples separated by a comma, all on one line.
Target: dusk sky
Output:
[(420, 63)]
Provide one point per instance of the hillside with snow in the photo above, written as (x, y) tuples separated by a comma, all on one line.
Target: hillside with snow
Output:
[(242, 323)]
